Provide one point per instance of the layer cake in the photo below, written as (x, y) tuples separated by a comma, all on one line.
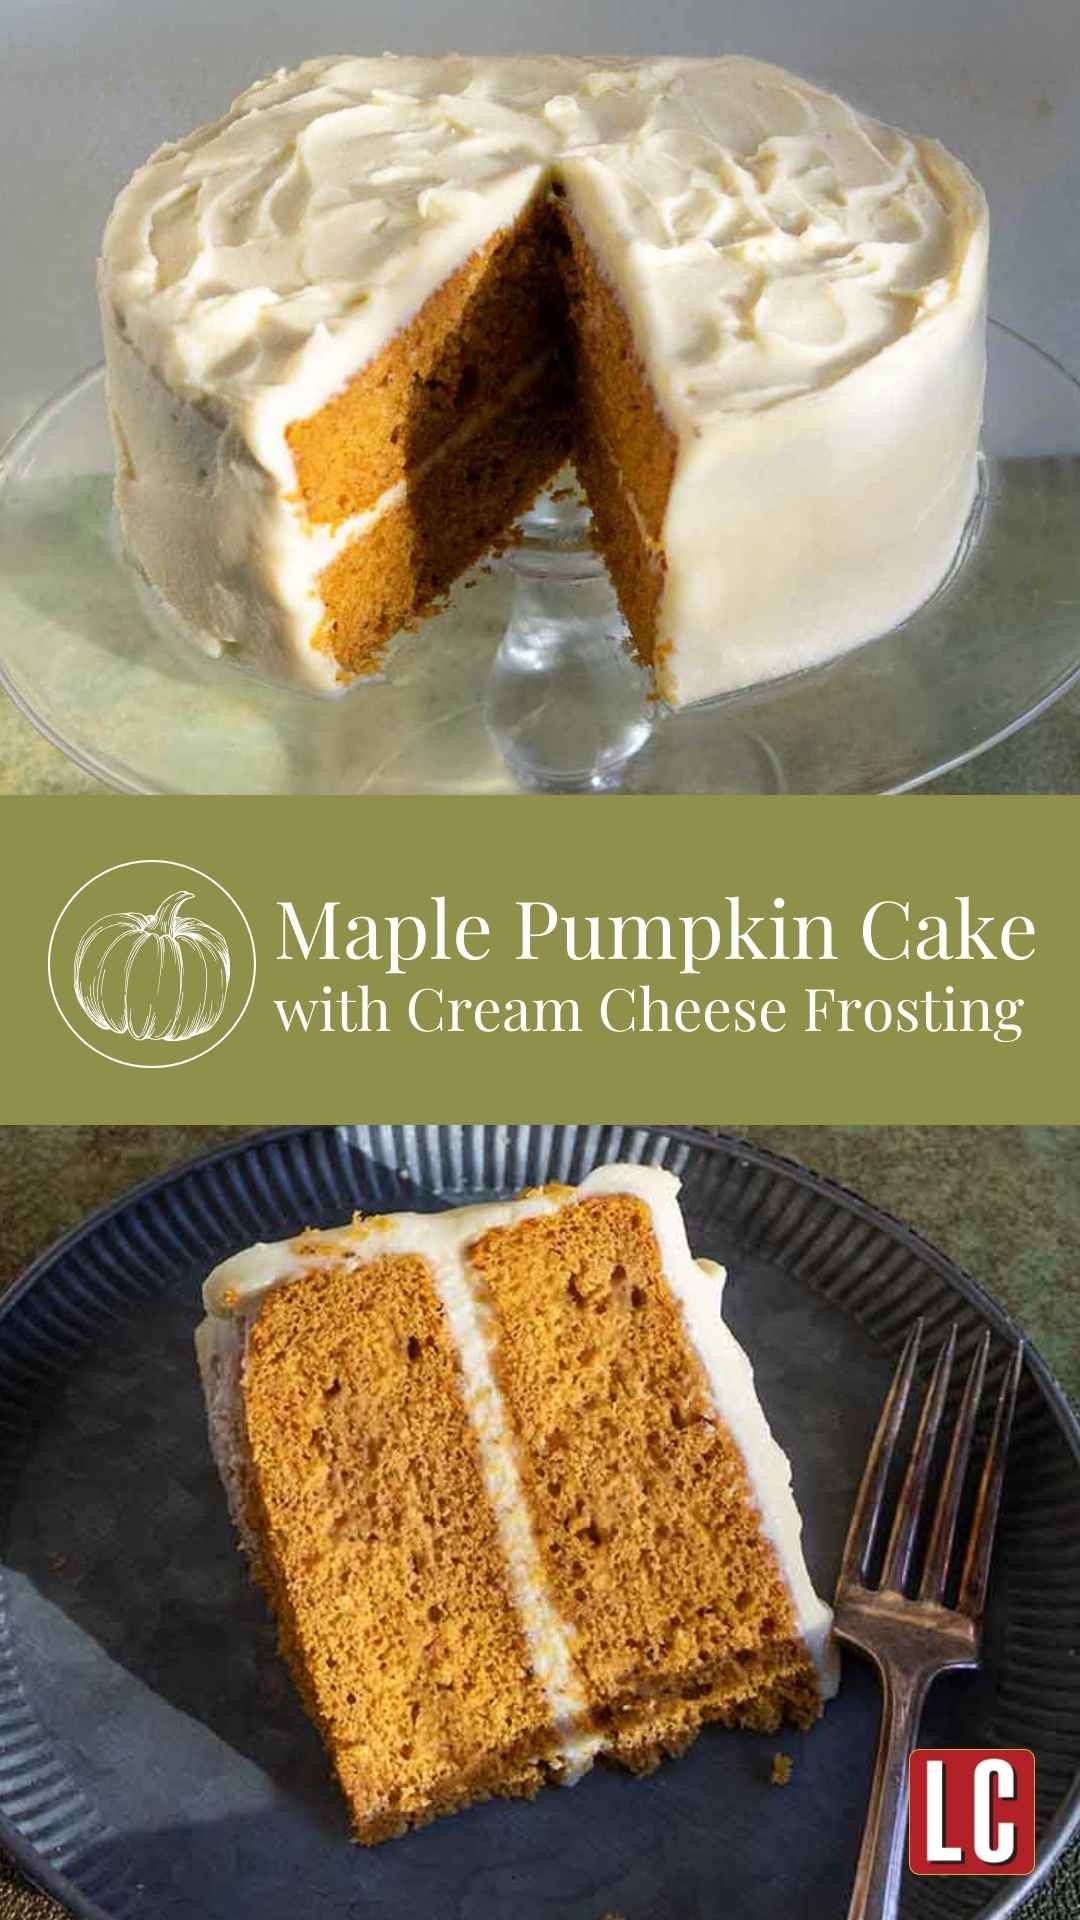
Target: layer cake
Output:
[(504, 1477), (352, 328)]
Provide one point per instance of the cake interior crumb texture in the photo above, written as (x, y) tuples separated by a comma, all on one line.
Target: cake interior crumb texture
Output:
[(650, 1542), (468, 412), (380, 1554), (521, 360), (502, 1525)]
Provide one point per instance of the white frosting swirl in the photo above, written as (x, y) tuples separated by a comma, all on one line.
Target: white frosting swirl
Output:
[(778, 236)]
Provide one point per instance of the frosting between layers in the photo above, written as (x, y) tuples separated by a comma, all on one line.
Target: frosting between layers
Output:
[(804, 286), (235, 1289)]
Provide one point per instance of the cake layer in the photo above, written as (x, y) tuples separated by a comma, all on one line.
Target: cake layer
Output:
[(617, 406), (454, 509), (649, 1536), (530, 1412), (502, 312), (780, 334), (637, 563), (382, 1554)]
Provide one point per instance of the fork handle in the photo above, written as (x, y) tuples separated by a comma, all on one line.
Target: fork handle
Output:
[(876, 1893)]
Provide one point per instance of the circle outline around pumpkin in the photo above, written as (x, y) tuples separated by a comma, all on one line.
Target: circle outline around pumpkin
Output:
[(151, 1066)]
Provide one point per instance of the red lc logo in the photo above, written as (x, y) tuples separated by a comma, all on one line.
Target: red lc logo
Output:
[(971, 1810)]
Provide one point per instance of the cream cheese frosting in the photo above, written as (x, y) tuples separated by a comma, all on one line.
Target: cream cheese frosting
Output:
[(232, 1295), (804, 285)]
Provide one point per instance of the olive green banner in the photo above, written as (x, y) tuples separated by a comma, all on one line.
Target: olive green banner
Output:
[(315, 960)]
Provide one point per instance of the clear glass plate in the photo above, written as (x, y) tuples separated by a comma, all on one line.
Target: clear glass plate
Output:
[(524, 682)]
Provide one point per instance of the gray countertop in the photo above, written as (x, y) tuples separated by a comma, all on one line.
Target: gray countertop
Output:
[(1043, 758)]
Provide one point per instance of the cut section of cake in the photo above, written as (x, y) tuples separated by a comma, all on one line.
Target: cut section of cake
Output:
[(505, 1480), (353, 327)]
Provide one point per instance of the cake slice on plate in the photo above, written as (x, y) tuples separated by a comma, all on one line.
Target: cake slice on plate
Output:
[(505, 1480)]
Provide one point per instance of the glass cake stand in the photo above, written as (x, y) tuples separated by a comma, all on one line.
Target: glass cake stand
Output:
[(525, 682)]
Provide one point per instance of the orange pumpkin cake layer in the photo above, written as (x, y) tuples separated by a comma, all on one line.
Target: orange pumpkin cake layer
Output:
[(505, 1480), (639, 1494), (617, 404), (503, 311), (441, 443), (624, 450), (382, 1558), (456, 507)]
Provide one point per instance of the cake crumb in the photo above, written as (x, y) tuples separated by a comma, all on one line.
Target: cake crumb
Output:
[(359, 1380), (782, 1766)]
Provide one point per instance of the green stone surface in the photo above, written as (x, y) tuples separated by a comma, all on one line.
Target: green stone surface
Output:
[(1043, 758)]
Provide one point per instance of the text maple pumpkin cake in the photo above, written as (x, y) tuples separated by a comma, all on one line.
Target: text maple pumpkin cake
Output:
[(352, 328), (504, 1478)]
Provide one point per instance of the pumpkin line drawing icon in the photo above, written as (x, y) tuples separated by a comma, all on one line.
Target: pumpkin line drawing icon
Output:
[(160, 976)]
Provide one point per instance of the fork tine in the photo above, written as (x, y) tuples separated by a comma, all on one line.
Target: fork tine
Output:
[(859, 1544), (913, 1492), (976, 1573), (938, 1553)]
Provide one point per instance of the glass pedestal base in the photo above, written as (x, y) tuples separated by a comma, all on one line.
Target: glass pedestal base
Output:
[(567, 706)]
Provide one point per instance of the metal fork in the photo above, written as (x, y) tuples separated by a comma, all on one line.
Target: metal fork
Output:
[(912, 1637)]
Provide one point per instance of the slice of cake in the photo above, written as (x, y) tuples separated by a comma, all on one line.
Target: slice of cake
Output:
[(504, 1478), (354, 326)]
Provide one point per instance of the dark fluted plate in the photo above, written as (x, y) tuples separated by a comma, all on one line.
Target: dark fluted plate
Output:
[(153, 1760)]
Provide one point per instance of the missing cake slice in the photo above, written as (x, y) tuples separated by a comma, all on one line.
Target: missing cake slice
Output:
[(505, 1480)]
